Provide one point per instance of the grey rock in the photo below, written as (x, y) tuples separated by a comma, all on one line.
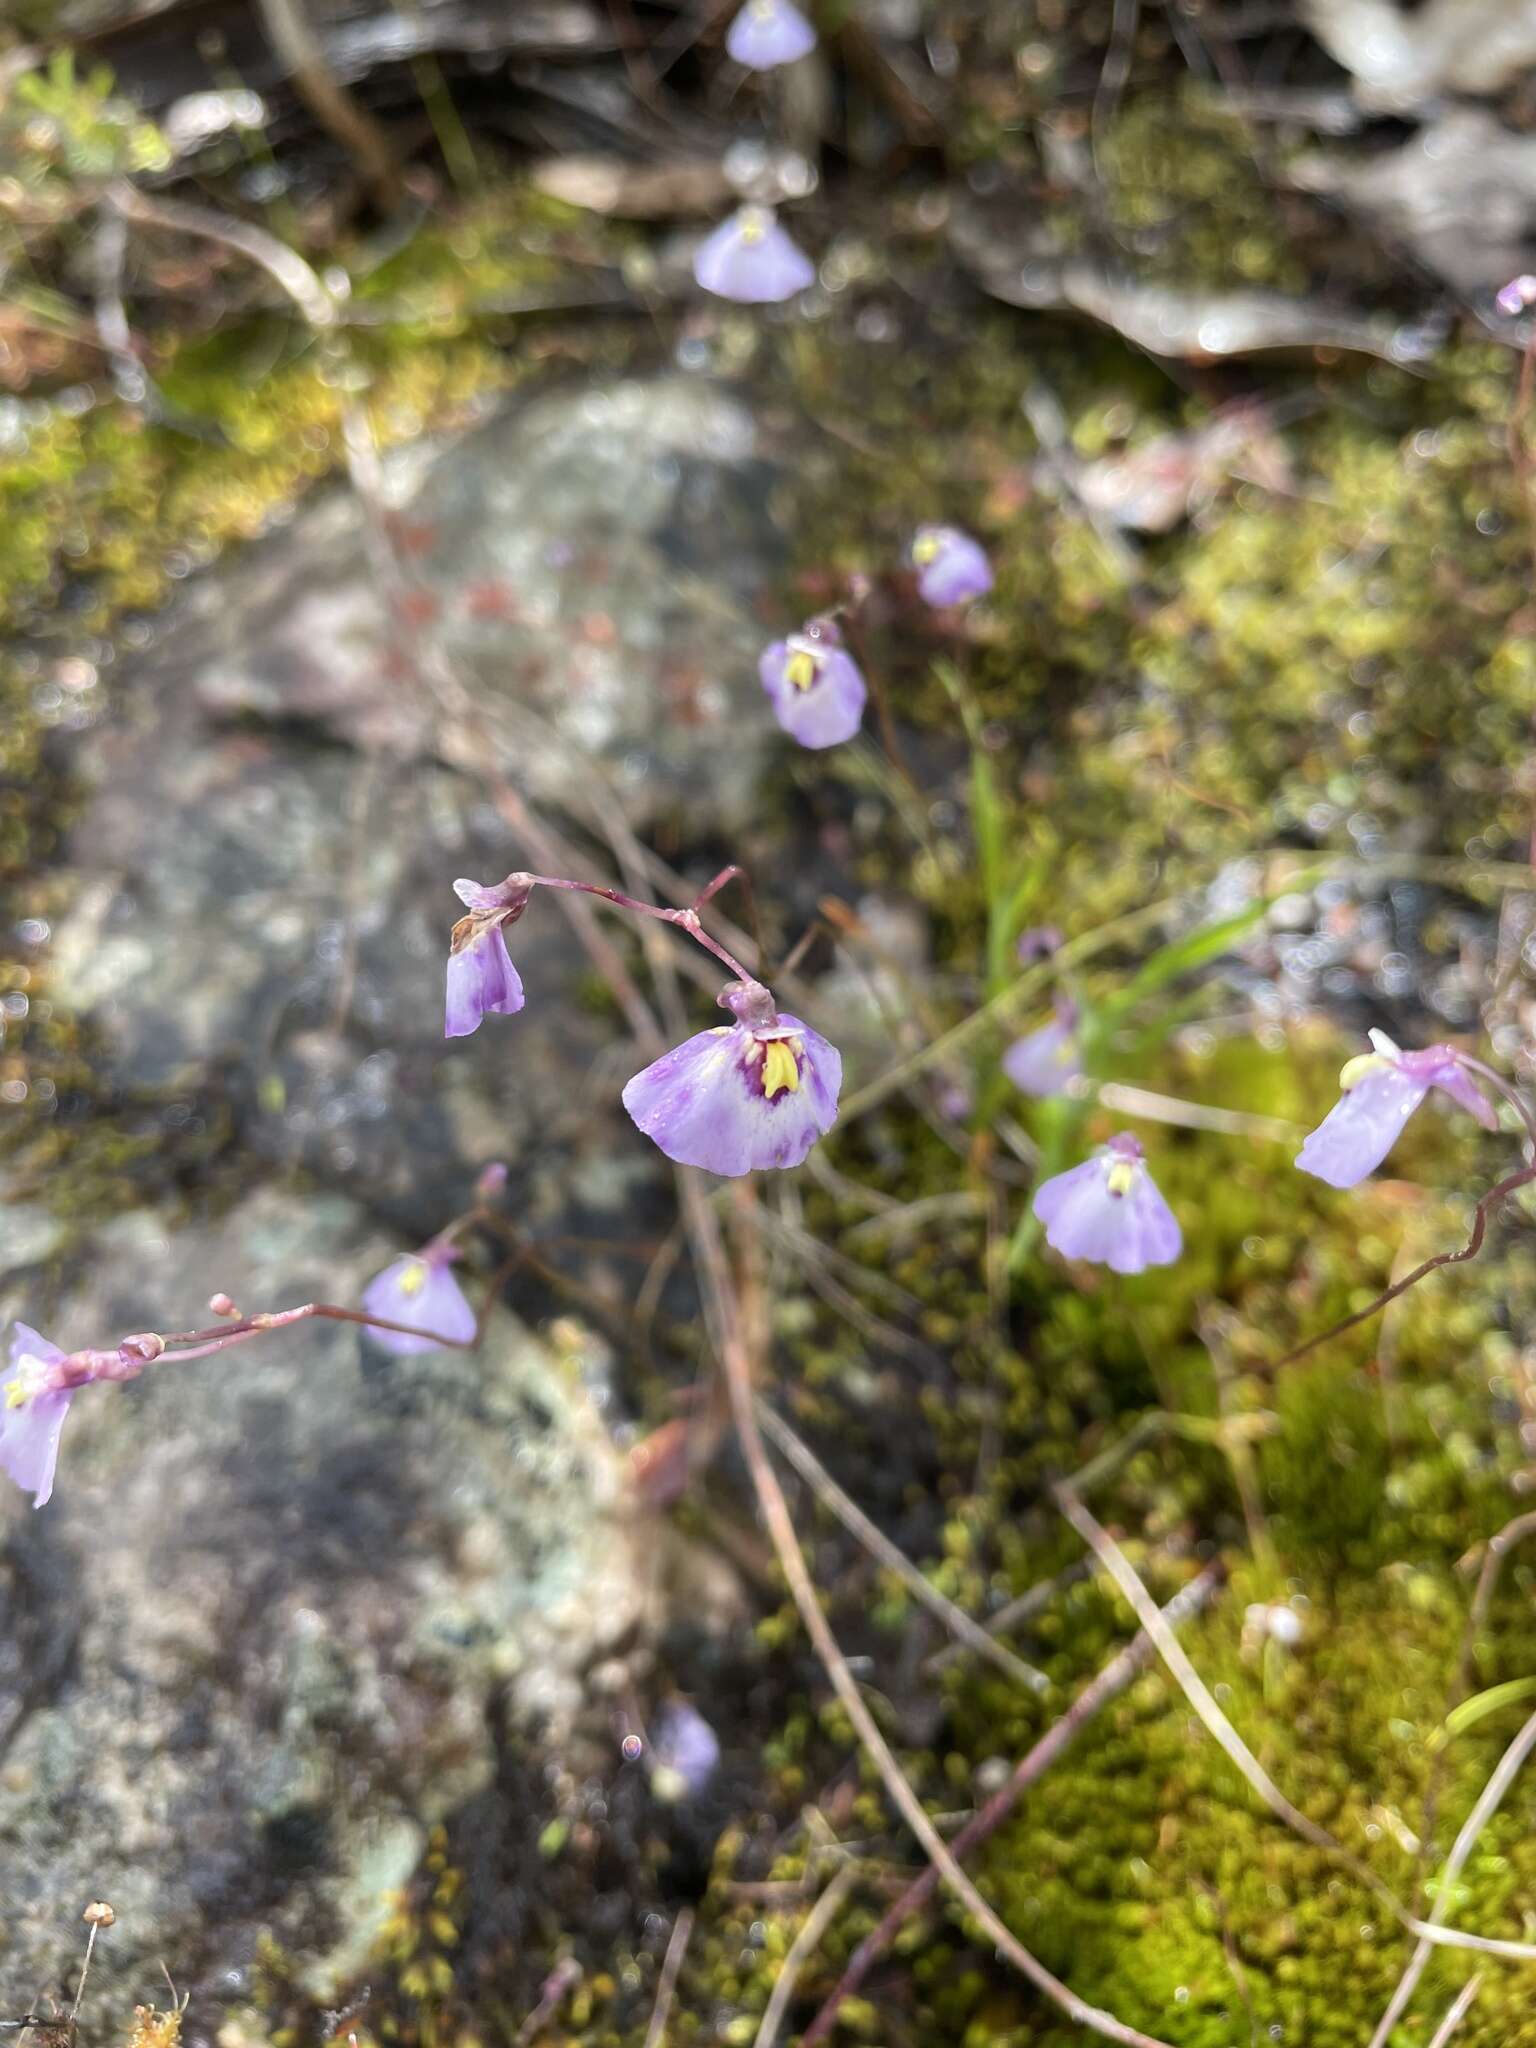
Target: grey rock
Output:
[(1401, 57), (262, 906), (283, 1607), (1461, 193)]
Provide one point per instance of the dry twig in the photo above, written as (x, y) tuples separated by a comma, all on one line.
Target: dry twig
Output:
[(1487, 1805), (1114, 1678), (1432, 1931), (879, 1545), (803, 1947), (736, 1366), (666, 1985)]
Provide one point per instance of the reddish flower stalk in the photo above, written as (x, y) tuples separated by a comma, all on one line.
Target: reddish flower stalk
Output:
[(1469, 1250)]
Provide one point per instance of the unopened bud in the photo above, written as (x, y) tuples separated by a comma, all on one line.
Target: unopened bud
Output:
[(141, 1350), (493, 1179), (98, 1914), (1517, 294), (221, 1305)]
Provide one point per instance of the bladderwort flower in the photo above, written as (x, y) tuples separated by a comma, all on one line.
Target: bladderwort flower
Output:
[(750, 259), (767, 33), (1381, 1090), (481, 978), (1043, 1062), (755, 1093), (951, 567), (1039, 942), (1109, 1211), (420, 1289), (685, 1752), (31, 1413), (814, 685), (1519, 293)]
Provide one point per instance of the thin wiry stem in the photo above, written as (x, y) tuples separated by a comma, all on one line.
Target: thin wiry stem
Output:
[(736, 1366), (875, 1540), (803, 1947), (1113, 1679), (1487, 1805), (83, 1367), (686, 920), (1469, 1250)]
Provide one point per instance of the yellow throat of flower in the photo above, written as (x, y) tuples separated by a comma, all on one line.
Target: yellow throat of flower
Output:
[(800, 669), (22, 1387), (781, 1070), (925, 549), (414, 1278), (1122, 1176), (1354, 1071), (752, 224)]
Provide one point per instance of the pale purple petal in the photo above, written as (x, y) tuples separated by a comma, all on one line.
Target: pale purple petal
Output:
[(769, 32), (704, 1106), (1453, 1079), (1043, 1062), (828, 709), (749, 258), (419, 1289), (29, 1434), (481, 980), (951, 566), (683, 1741), (1362, 1127), (1039, 942), (1085, 1218)]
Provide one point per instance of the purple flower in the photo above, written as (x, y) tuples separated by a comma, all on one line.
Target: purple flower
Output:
[(1109, 1210), (1382, 1089), (1044, 1061), (950, 565), (684, 1749), (767, 33), (1039, 942), (815, 686), (481, 977), (749, 258), (31, 1417), (1516, 295), (755, 1093), (420, 1290)]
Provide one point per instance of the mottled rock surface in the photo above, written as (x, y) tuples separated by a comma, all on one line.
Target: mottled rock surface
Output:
[(292, 1605), (285, 1606), (264, 866)]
